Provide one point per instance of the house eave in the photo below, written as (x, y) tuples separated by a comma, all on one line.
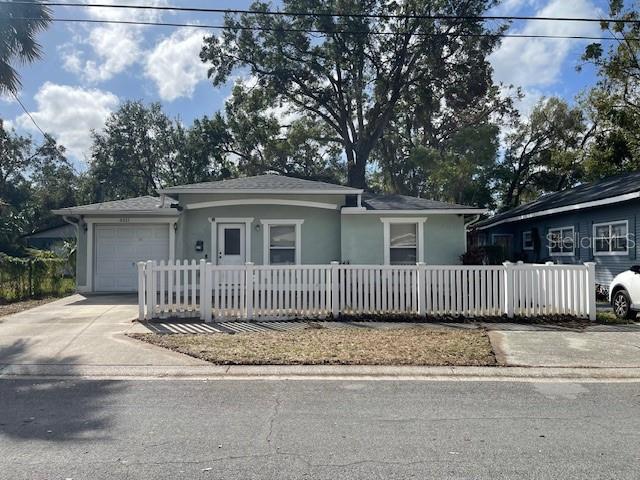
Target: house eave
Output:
[(432, 211), (72, 211), (567, 208), (270, 191)]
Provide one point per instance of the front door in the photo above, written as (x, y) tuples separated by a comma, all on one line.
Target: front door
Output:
[(231, 244)]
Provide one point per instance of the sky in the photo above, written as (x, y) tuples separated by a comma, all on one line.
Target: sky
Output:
[(88, 70)]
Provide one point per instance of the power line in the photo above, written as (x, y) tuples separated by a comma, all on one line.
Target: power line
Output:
[(327, 14), (327, 32), (28, 113)]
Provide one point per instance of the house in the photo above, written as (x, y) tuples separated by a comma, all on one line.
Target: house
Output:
[(595, 222), (50, 238), (267, 219)]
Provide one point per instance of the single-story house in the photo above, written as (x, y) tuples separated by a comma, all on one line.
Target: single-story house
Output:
[(50, 238), (594, 222), (267, 219)]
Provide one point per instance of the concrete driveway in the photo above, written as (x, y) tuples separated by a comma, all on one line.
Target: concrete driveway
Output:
[(551, 346), (80, 331)]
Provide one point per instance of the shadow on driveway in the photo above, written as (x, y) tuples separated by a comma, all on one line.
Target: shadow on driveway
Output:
[(52, 409)]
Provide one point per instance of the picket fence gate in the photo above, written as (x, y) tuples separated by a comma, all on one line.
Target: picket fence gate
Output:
[(275, 292)]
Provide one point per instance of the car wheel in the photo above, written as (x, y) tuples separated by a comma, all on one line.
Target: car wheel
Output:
[(621, 304)]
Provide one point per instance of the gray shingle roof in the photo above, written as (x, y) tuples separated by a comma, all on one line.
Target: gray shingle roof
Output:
[(403, 202), (146, 204), (263, 182), (588, 192)]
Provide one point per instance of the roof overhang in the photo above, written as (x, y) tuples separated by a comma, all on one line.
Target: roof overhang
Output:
[(567, 208), (270, 191), (80, 211), (432, 211)]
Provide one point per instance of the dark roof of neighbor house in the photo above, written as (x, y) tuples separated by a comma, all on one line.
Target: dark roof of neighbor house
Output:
[(403, 202), (64, 230), (145, 204), (588, 192), (261, 183)]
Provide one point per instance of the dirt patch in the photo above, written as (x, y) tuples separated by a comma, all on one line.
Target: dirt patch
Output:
[(17, 307), (343, 346)]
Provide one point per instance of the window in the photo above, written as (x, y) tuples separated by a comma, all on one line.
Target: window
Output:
[(403, 240), (527, 240), (282, 242), (611, 238), (561, 241), (403, 247)]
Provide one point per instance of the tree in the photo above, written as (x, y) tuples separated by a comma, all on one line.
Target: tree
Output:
[(613, 105), (33, 180), (141, 149), (353, 75), (543, 153), (19, 25), (271, 140)]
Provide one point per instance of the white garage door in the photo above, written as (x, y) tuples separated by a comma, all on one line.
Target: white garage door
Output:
[(119, 247)]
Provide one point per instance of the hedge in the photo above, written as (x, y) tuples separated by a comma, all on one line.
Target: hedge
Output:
[(24, 278)]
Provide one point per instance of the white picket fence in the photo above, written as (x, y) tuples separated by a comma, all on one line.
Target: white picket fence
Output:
[(269, 292)]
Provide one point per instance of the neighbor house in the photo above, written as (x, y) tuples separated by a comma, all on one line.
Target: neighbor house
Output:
[(268, 219), (594, 222), (50, 238)]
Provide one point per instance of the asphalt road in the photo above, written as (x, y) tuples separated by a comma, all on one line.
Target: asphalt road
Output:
[(168, 429)]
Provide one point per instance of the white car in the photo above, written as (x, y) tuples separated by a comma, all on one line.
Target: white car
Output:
[(624, 293)]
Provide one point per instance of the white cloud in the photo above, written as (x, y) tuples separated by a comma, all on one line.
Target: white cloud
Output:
[(538, 62), (70, 113), (175, 66), (113, 48)]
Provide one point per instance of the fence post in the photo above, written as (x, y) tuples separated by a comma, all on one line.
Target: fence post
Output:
[(248, 290), (421, 285), (591, 290), (203, 289), (508, 289), (141, 291), (150, 293), (335, 294)]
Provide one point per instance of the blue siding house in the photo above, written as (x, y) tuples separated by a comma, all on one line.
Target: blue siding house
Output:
[(595, 222)]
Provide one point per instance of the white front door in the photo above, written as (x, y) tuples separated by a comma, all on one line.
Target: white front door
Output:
[(231, 244)]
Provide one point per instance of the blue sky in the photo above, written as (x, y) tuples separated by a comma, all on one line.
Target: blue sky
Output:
[(87, 70)]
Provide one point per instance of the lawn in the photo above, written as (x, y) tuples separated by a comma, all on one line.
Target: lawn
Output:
[(335, 346)]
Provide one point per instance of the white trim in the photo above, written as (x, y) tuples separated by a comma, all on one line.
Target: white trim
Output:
[(266, 237), (214, 235), (261, 201), (80, 211), (577, 206), (89, 266), (387, 221), (124, 220), (172, 241), (562, 254), (271, 191), (609, 253), (442, 211), (530, 232)]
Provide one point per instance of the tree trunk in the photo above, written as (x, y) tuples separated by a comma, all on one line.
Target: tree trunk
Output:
[(356, 172)]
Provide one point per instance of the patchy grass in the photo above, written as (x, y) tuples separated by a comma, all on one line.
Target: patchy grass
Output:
[(609, 318), (340, 346), (17, 307)]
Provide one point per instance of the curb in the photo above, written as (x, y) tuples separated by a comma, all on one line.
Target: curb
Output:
[(320, 372)]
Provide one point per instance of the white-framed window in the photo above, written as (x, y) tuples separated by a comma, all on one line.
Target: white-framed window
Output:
[(403, 243), (561, 242), (527, 240), (611, 238), (282, 243)]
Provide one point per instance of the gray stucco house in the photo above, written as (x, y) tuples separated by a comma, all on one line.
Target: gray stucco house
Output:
[(594, 222), (266, 219)]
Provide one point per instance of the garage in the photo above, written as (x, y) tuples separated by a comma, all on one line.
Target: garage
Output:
[(118, 248)]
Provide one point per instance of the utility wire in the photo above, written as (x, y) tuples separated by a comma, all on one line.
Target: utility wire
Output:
[(28, 113), (324, 14), (326, 32)]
